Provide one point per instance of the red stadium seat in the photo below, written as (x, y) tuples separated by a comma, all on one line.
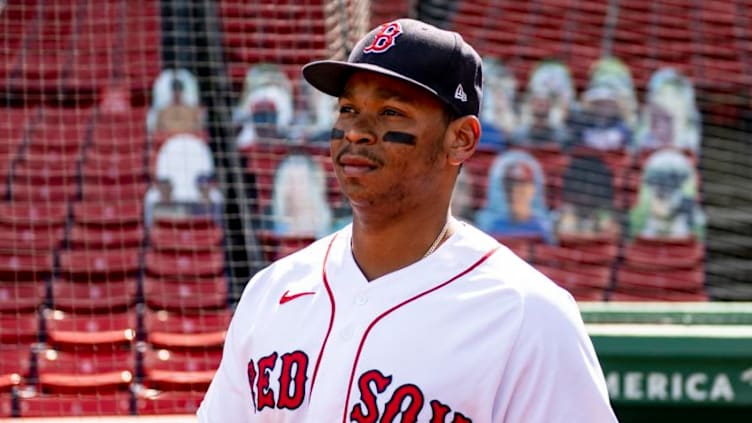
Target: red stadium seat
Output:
[(262, 163), (146, 40), (690, 280), (180, 370), (128, 124), (93, 190), (62, 15), (79, 263), (25, 266), (656, 295), (664, 253), (202, 221), (38, 72), (118, 141), (61, 161), (30, 239), (182, 295), (185, 264), (40, 173), (108, 213), (104, 237), (29, 191), (55, 117), (57, 137), (593, 254), (201, 329), (131, 160), (90, 69), (21, 296), (33, 213), (522, 246), (15, 362), (6, 405), (95, 46), (69, 405), (582, 277), (106, 295), (12, 128), (588, 294), (85, 371), (19, 327), (185, 239), (114, 167), (168, 402), (87, 330), (276, 246)]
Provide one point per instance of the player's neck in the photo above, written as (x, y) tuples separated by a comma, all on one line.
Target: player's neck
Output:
[(380, 249)]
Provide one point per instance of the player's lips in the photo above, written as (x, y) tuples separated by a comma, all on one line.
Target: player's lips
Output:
[(353, 164)]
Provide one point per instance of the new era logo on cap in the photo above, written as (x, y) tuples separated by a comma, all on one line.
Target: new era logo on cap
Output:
[(459, 93), (437, 60)]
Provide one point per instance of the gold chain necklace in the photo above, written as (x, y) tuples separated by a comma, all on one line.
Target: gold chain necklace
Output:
[(438, 239), (433, 246)]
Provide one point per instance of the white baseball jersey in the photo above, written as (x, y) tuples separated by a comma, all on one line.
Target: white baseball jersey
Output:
[(470, 333)]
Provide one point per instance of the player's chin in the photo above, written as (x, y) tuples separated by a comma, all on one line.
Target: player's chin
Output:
[(355, 188)]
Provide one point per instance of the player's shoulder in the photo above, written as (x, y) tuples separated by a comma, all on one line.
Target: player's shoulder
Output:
[(515, 277)]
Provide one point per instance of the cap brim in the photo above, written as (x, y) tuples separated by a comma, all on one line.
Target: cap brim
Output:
[(330, 76)]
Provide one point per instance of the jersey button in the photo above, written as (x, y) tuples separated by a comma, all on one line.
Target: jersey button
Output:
[(361, 299)]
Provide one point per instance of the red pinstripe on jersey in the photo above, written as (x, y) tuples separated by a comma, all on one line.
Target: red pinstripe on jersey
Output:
[(331, 317)]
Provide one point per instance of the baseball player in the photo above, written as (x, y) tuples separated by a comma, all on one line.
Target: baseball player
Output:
[(407, 314)]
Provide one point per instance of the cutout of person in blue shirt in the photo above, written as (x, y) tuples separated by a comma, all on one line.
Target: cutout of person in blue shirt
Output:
[(515, 205)]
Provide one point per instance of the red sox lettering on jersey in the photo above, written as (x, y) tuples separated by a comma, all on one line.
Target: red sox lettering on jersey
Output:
[(407, 397), (289, 392), (291, 385)]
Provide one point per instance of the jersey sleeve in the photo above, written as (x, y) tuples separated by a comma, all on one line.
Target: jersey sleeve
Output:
[(554, 373), (228, 399)]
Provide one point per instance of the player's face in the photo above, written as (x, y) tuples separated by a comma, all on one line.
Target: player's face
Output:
[(387, 143)]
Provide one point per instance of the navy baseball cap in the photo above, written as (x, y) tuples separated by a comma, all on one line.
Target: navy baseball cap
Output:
[(434, 59)]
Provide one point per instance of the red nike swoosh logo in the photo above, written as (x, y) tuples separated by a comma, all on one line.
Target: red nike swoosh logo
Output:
[(287, 297)]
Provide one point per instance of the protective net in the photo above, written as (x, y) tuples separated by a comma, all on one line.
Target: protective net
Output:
[(156, 154)]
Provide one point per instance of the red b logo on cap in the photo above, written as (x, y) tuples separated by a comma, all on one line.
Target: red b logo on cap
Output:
[(385, 38)]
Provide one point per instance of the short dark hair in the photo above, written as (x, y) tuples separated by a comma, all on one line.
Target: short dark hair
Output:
[(448, 114)]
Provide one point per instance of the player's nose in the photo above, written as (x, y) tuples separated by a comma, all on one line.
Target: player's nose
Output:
[(361, 132)]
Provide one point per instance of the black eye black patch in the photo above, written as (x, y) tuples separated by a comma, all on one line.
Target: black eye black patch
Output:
[(337, 134), (399, 137)]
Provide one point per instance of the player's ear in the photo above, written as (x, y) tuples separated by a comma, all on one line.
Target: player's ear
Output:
[(463, 134)]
